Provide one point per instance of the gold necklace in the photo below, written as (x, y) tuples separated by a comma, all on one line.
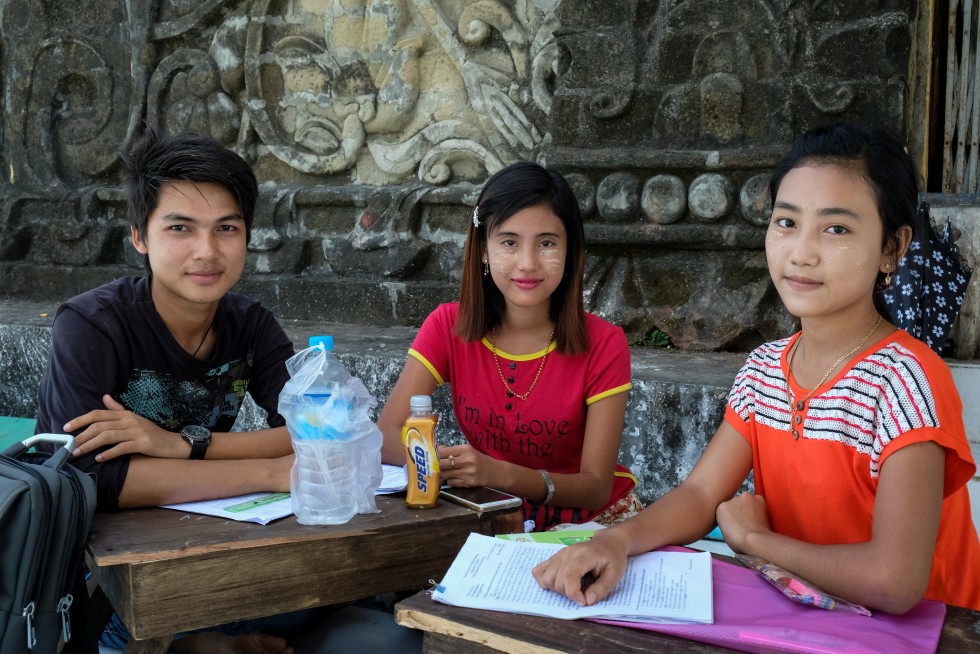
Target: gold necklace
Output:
[(510, 391), (797, 406)]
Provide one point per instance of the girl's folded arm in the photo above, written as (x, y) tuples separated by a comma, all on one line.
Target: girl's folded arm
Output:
[(890, 572)]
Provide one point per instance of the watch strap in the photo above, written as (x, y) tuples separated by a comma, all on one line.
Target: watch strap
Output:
[(199, 449), (199, 437)]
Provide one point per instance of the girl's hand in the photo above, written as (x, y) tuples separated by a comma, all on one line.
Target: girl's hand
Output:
[(585, 572), (740, 516), (461, 465)]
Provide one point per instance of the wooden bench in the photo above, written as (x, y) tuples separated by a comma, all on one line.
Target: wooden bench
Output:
[(455, 630)]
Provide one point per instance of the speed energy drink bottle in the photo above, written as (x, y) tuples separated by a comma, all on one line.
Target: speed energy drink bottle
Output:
[(419, 437)]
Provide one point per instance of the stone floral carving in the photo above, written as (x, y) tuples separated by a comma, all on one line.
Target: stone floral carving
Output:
[(708, 95), (372, 123), (185, 94), (392, 88)]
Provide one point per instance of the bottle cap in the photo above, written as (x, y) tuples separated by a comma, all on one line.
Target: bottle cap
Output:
[(318, 392), (325, 341), (420, 403)]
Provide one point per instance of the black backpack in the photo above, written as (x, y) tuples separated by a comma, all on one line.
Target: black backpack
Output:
[(46, 509)]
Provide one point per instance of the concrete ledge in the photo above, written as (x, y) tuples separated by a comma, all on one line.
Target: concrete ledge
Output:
[(677, 401)]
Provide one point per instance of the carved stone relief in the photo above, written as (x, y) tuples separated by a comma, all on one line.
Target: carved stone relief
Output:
[(372, 123)]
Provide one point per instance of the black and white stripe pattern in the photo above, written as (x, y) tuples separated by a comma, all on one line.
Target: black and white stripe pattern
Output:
[(881, 397)]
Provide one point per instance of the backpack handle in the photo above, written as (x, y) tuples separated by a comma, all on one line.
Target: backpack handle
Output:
[(57, 459)]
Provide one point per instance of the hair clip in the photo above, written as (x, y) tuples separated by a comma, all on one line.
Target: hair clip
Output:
[(476, 216)]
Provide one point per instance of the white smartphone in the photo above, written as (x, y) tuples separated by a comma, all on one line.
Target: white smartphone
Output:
[(480, 498)]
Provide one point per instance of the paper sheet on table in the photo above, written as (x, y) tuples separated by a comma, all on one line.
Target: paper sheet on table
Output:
[(495, 574), (393, 480), (263, 508)]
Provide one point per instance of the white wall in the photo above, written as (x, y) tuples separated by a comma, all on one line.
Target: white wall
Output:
[(966, 374)]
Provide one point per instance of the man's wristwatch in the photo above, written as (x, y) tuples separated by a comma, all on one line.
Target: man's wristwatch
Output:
[(199, 437)]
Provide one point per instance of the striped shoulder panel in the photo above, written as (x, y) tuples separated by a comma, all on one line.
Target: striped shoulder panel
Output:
[(880, 398), (760, 387)]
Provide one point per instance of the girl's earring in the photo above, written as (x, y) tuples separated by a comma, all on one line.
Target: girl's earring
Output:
[(486, 268), (888, 275)]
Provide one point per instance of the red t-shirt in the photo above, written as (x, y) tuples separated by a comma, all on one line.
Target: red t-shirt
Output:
[(547, 430), (821, 488)]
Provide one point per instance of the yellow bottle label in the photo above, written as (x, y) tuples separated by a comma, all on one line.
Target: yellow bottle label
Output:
[(419, 437)]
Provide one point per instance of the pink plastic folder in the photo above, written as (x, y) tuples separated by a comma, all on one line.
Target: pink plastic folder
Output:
[(752, 616)]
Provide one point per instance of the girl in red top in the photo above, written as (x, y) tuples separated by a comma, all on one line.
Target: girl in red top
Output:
[(852, 427), (538, 385)]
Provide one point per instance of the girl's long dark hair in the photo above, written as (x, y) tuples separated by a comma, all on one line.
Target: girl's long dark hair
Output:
[(481, 304)]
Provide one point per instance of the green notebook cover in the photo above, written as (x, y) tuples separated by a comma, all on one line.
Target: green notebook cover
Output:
[(562, 537)]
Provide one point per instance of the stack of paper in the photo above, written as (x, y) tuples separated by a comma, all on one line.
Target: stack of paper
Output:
[(394, 479), (495, 574), (263, 508)]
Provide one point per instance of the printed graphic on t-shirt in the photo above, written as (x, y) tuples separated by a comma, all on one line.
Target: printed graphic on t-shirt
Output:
[(511, 434), (172, 403)]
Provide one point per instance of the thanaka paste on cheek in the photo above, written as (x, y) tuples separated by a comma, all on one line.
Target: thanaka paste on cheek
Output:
[(502, 261), (553, 263), (771, 244)]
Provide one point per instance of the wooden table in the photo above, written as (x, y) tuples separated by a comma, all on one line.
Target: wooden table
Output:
[(167, 571), (455, 630)]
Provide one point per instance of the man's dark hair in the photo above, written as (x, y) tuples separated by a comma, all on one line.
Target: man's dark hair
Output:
[(156, 160)]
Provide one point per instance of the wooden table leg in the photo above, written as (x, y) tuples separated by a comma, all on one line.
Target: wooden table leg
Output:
[(102, 612), (149, 646), (433, 643)]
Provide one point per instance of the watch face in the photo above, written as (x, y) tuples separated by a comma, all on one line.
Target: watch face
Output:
[(196, 433)]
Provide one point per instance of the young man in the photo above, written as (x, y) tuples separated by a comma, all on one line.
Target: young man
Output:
[(149, 372)]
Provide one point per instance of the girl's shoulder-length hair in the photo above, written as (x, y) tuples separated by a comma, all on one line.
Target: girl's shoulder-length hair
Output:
[(481, 304)]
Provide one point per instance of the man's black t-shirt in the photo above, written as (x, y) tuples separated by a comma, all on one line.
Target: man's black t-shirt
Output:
[(111, 340)]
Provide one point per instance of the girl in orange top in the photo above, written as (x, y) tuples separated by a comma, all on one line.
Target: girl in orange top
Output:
[(852, 427)]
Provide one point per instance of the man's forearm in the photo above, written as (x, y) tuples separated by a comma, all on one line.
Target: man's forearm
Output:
[(263, 444), (152, 481)]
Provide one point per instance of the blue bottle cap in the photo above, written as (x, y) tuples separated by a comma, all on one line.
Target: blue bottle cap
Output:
[(318, 392), (325, 341)]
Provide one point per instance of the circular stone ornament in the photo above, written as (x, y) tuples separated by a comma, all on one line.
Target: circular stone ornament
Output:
[(618, 197), (664, 199), (710, 197)]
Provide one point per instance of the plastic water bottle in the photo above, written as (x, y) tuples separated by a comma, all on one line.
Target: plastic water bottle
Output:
[(321, 479)]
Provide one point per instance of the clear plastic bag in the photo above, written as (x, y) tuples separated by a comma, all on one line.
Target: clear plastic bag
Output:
[(798, 589), (338, 448)]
